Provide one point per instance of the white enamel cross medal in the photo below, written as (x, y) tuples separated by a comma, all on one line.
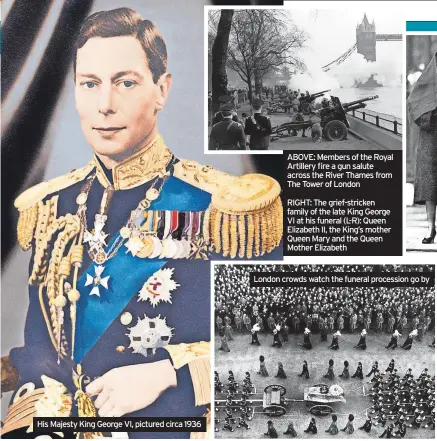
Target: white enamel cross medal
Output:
[(149, 334), (158, 287), (97, 280)]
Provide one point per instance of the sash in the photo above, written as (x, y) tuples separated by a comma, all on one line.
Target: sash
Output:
[(127, 272)]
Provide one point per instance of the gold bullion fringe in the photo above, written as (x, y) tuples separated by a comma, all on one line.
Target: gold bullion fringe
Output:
[(245, 234), (46, 226), (200, 371), (26, 226)]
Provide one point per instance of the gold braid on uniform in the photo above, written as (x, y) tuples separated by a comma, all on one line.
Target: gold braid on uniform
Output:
[(55, 242), (245, 215)]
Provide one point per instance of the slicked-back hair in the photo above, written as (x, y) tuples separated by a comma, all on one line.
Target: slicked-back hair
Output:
[(126, 22)]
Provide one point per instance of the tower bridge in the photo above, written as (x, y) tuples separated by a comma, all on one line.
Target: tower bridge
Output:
[(366, 38)]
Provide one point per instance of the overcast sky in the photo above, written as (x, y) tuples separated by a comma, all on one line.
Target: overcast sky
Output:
[(332, 32)]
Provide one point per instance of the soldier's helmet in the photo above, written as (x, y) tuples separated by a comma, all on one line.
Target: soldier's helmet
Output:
[(325, 102)]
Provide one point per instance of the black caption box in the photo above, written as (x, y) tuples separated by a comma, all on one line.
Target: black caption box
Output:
[(342, 202), (123, 424)]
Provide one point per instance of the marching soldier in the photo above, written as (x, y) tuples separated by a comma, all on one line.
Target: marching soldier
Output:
[(242, 421), (258, 127), (306, 340), (359, 372), (388, 432), (276, 340), (391, 366), (281, 373), (345, 373), (305, 372), (374, 369), (254, 332), (330, 374), (408, 343), (393, 344), (334, 343), (271, 431), (362, 343)]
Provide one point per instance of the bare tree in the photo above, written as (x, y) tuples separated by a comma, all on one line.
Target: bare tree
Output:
[(262, 40), (219, 57)]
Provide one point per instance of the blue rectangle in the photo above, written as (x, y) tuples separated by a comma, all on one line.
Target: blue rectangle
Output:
[(421, 26)]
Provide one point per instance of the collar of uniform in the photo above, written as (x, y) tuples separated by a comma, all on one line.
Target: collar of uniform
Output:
[(141, 167)]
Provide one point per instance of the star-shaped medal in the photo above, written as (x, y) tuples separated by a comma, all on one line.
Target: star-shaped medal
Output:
[(158, 287), (134, 245), (97, 280)]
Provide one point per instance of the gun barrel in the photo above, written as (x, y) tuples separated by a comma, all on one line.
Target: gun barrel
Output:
[(319, 94), (362, 100), (355, 107)]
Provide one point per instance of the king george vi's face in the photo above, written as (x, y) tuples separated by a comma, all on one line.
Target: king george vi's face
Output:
[(116, 97)]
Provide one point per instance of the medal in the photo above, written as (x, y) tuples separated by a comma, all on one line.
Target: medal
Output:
[(97, 280), (148, 335), (158, 287), (157, 247)]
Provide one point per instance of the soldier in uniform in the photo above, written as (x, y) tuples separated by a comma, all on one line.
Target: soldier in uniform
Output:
[(254, 332), (334, 343), (393, 344), (276, 340), (225, 100), (305, 372), (119, 248), (306, 340), (258, 127), (359, 372), (362, 343), (227, 134), (374, 369), (271, 431)]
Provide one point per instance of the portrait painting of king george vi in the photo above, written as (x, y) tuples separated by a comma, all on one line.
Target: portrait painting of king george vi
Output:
[(118, 315)]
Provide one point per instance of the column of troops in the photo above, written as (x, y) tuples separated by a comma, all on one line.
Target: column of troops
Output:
[(398, 402)]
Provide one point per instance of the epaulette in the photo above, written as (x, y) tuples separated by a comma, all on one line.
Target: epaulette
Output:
[(32, 208), (245, 215)]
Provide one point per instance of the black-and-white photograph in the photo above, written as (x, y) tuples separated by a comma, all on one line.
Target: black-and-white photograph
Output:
[(283, 79), (310, 359), (421, 188)]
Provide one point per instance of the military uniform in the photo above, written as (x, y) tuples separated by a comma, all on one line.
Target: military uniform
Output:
[(112, 283), (259, 128), (227, 135)]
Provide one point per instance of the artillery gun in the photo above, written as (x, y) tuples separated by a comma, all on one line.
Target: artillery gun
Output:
[(333, 118), (306, 100)]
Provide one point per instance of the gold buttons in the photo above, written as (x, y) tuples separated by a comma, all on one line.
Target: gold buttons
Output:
[(81, 199)]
